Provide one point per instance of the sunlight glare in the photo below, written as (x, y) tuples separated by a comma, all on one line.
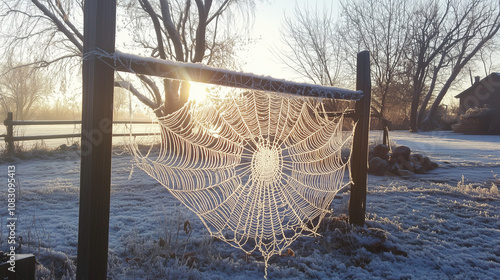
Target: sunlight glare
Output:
[(198, 92)]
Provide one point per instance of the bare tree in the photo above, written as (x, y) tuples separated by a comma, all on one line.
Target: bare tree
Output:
[(444, 40), (430, 41), (416, 48), (49, 31), (382, 28), (320, 49), (21, 89), (313, 47), (314, 50), (478, 22), (61, 105)]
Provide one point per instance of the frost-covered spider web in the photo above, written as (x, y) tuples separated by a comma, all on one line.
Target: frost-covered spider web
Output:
[(258, 169)]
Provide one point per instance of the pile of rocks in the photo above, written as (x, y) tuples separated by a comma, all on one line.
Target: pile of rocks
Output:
[(400, 162)]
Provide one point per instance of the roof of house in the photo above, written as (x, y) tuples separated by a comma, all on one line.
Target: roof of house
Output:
[(476, 84)]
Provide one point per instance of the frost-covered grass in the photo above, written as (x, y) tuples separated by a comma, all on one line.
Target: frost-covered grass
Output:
[(440, 225)]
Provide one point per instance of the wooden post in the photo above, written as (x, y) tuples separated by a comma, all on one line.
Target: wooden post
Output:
[(359, 156), (385, 136), (9, 138), (97, 118), (386, 140), (24, 268)]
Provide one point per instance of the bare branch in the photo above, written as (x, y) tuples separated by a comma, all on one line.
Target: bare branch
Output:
[(156, 24), (153, 88), (60, 26), (130, 87), (172, 32), (203, 10), (65, 17), (219, 11), (185, 17)]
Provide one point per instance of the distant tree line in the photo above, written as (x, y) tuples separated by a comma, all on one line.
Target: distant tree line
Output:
[(419, 50), (22, 90), (31, 93)]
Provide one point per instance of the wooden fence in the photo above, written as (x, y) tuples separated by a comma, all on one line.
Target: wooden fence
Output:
[(98, 82), (10, 139)]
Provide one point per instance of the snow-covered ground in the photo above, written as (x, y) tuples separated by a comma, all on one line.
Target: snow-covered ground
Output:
[(440, 225)]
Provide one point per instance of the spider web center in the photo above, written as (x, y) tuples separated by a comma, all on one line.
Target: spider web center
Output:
[(266, 164)]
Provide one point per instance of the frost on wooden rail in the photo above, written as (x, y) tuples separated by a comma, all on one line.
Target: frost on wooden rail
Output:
[(205, 74)]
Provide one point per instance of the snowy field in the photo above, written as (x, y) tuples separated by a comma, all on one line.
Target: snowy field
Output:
[(441, 225)]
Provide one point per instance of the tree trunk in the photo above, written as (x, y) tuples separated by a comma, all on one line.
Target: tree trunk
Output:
[(429, 123), (171, 96), (176, 95), (421, 111), (428, 96), (413, 110)]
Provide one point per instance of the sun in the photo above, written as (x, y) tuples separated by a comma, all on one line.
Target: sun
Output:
[(202, 93), (198, 92)]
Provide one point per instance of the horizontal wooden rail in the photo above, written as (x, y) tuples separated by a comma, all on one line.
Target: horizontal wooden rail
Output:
[(76, 135), (44, 137), (8, 122), (9, 138), (206, 74)]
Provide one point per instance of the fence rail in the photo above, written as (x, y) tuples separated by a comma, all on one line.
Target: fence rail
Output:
[(9, 138)]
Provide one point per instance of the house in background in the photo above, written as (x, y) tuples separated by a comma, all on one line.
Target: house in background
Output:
[(480, 107)]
